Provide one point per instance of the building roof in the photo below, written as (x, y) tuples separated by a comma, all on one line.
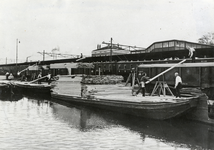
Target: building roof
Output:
[(191, 44), (108, 47)]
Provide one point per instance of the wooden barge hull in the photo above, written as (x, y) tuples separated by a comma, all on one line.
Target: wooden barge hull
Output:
[(152, 110), (33, 88), (4, 88)]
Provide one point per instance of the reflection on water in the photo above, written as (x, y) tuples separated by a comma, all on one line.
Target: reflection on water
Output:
[(179, 133), (10, 97), (36, 123)]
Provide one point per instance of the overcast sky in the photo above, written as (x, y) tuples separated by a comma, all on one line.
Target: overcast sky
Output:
[(77, 26)]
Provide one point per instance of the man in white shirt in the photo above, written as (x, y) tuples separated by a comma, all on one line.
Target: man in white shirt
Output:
[(178, 84), (191, 53)]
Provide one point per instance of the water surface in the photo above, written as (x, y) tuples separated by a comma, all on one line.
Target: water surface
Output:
[(31, 122)]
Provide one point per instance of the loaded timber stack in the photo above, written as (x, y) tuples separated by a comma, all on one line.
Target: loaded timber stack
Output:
[(103, 79)]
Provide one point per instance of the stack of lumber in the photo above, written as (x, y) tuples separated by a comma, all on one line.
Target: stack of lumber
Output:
[(103, 79), (104, 90)]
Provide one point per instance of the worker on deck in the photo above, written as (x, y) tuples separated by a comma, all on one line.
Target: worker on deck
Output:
[(178, 85), (10, 77), (7, 75), (39, 76), (142, 87), (49, 78)]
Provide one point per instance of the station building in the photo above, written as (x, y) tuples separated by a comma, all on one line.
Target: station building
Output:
[(171, 45)]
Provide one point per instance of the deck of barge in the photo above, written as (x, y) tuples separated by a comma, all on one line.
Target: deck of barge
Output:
[(112, 92), (123, 93)]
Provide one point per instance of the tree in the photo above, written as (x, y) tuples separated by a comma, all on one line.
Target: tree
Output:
[(207, 39)]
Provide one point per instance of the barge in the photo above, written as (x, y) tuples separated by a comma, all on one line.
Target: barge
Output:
[(162, 110), (119, 98), (35, 88)]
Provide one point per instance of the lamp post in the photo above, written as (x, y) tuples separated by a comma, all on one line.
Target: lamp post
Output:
[(17, 41), (27, 58)]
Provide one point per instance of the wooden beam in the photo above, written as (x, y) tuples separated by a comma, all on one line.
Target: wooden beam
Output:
[(38, 79), (165, 71)]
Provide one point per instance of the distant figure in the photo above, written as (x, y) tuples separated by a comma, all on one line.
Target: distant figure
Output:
[(136, 87), (178, 84), (84, 90), (132, 76), (10, 77), (7, 75), (142, 87), (140, 74), (49, 78), (191, 53), (23, 78), (39, 76), (33, 76)]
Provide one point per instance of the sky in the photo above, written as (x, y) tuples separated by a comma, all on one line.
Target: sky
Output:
[(77, 26)]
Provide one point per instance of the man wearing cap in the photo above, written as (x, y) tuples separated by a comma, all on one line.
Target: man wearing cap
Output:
[(178, 84), (142, 88)]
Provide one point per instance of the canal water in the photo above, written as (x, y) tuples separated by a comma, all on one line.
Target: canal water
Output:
[(38, 123)]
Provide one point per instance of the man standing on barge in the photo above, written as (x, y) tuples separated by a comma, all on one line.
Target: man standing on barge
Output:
[(39, 76), (178, 84), (191, 53), (142, 85)]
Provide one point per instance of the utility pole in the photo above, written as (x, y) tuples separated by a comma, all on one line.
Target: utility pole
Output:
[(16, 51), (43, 55)]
